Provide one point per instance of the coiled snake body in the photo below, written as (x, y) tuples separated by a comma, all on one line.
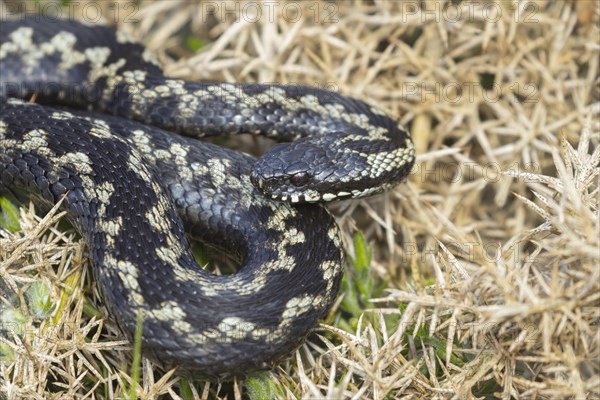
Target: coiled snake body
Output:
[(133, 188)]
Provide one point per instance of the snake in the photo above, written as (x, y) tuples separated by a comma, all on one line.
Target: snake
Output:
[(89, 120)]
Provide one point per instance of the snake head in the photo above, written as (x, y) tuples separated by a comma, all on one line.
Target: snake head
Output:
[(307, 170), (331, 167)]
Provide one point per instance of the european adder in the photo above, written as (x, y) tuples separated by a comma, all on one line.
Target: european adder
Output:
[(134, 189)]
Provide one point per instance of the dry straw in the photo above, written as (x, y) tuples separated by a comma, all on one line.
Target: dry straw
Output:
[(489, 253)]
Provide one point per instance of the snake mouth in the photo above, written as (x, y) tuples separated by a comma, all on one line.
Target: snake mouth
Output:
[(281, 188), (296, 198), (310, 196)]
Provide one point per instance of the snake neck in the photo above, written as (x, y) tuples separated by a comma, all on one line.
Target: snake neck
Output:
[(208, 108)]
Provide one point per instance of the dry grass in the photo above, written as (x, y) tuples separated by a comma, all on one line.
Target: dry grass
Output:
[(489, 253)]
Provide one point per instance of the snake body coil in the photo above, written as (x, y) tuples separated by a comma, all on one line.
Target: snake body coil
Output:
[(133, 189)]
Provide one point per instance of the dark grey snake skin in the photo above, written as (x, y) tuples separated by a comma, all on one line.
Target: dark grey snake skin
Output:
[(128, 184)]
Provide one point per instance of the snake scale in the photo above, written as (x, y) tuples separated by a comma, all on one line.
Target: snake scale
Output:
[(101, 135)]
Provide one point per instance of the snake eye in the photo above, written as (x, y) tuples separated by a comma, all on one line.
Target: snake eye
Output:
[(299, 179)]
